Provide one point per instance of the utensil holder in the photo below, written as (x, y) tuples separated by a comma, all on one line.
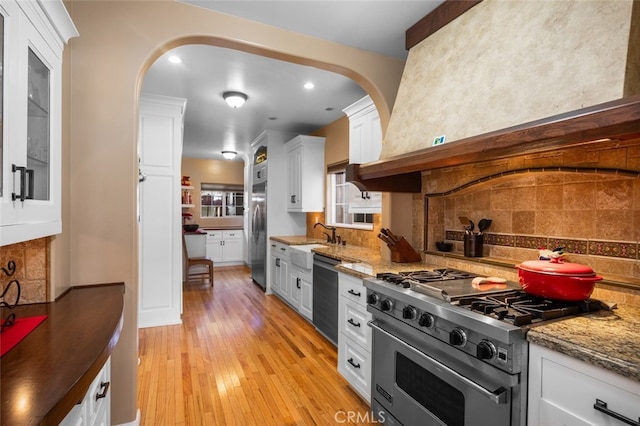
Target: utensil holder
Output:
[(473, 245)]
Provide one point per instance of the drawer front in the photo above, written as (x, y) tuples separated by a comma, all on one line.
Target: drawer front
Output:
[(99, 392), (352, 320), (353, 289), (232, 235), (214, 235), (355, 365), (279, 249)]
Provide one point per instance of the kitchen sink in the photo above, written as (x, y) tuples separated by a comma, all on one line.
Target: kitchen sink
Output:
[(302, 256)]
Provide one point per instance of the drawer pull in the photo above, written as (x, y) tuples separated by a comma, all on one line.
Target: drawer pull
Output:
[(602, 407), (354, 293), (353, 323), (105, 388), (350, 361)]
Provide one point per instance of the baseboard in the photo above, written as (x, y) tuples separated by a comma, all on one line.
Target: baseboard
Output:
[(136, 422)]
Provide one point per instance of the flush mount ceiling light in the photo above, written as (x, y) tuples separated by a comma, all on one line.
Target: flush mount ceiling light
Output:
[(309, 85), (234, 99), (229, 155)]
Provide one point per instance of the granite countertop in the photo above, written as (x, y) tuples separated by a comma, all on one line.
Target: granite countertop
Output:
[(606, 339)]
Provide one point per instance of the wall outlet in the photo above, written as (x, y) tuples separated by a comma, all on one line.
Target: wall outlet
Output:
[(439, 140)]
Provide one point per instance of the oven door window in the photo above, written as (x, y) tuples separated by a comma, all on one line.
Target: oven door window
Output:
[(433, 393)]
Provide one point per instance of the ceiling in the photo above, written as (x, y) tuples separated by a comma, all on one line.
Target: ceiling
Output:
[(276, 97)]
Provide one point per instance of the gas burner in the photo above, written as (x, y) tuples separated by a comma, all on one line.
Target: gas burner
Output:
[(520, 308), (425, 276)]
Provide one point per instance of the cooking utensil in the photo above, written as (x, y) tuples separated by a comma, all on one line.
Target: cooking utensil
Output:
[(484, 224), (557, 280), (468, 224)]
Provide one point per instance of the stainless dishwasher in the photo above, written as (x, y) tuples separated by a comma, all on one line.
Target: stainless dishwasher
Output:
[(325, 296)]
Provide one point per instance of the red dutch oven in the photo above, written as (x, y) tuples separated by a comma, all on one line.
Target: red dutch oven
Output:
[(557, 280)]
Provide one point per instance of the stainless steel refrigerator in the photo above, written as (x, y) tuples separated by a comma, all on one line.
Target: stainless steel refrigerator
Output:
[(258, 240)]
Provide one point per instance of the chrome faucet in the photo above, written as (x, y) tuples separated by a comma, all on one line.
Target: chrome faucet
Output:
[(330, 239)]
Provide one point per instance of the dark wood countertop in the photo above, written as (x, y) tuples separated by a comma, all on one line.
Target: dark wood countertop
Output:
[(48, 372)]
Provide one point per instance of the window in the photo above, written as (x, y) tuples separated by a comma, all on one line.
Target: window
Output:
[(221, 200), (340, 194)]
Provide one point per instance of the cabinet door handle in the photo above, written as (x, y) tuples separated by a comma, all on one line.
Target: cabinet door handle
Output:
[(29, 174), (105, 388), (278, 262), (293, 199), (22, 171), (354, 293), (350, 361), (353, 323), (602, 407), (298, 282)]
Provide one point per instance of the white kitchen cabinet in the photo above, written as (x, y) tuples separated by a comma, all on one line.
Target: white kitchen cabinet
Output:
[(301, 291), (279, 273), (305, 169), (365, 132), (564, 390), (225, 246), (160, 228), (354, 337), (33, 38), (365, 145), (95, 408)]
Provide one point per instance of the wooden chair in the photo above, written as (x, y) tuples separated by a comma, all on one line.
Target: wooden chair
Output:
[(200, 261)]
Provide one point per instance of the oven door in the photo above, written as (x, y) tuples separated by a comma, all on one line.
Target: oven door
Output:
[(436, 384)]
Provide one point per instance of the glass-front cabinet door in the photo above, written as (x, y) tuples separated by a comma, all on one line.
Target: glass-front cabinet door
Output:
[(38, 125)]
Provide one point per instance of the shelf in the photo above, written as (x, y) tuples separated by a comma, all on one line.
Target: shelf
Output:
[(187, 187), (186, 206)]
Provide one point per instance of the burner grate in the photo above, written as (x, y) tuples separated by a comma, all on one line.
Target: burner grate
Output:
[(520, 308), (425, 276)]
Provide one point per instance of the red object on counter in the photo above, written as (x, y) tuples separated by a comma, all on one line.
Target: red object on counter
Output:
[(557, 280), (12, 335)]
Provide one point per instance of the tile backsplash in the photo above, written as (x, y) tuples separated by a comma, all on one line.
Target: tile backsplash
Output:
[(32, 269), (585, 199)]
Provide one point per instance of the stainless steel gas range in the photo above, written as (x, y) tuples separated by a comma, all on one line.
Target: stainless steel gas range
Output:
[(450, 351)]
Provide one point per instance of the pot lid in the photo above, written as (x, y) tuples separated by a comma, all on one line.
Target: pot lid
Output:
[(556, 268)]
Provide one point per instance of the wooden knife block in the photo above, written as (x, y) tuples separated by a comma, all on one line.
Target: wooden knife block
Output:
[(402, 252)]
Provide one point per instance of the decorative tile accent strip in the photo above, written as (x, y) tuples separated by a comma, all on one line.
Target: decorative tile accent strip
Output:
[(454, 235), (619, 249), (613, 249), (570, 246), (500, 240)]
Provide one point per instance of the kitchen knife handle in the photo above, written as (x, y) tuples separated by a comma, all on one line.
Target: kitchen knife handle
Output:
[(601, 406)]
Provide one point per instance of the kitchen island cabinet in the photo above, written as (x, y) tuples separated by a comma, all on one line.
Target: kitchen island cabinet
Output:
[(45, 375)]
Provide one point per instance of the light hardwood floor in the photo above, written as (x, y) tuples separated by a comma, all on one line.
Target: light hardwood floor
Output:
[(241, 358)]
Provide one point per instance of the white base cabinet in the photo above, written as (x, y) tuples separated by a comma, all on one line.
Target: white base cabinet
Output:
[(563, 391), (301, 291), (354, 337), (279, 274), (95, 407), (225, 247)]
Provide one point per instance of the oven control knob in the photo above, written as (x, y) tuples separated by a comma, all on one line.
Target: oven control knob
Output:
[(425, 320), (457, 337), (373, 299), (409, 312), (485, 350), (386, 305)]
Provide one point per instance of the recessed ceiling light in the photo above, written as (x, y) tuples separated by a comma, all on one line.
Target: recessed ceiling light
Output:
[(175, 59), (273, 118), (329, 108), (309, 85)]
